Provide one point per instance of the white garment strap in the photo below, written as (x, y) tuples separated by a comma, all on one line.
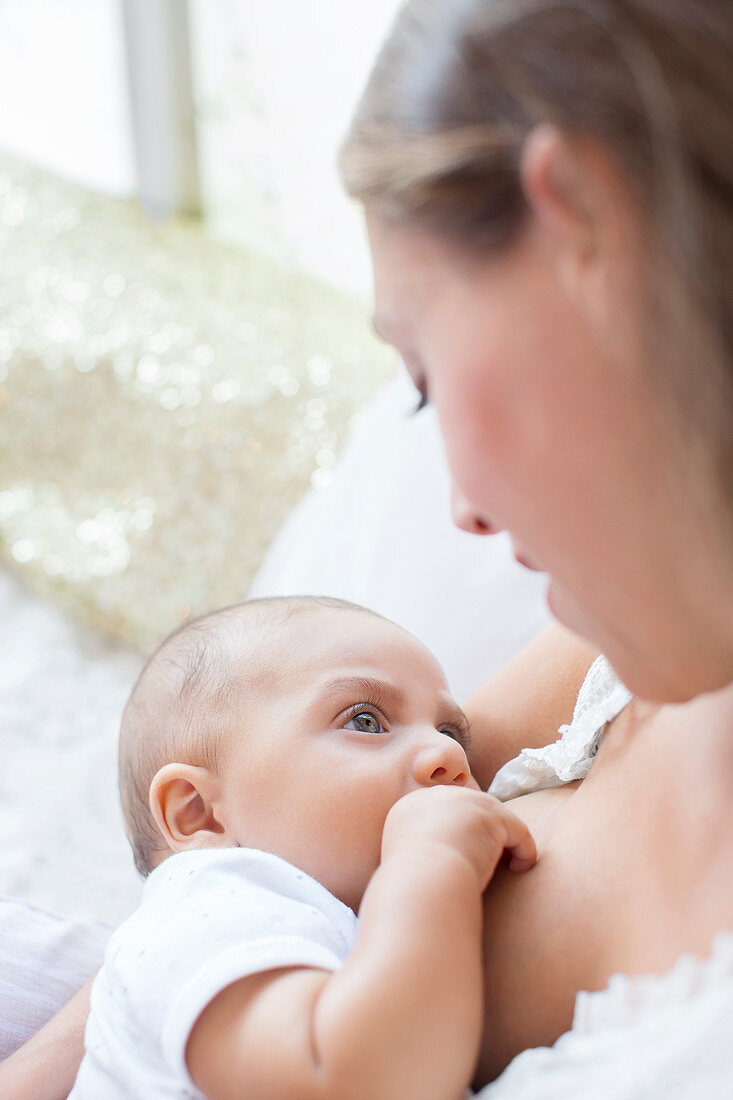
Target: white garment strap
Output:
[(601, 697)]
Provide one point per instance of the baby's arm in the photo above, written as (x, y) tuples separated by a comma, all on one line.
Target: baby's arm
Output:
[(45, 1067), (403, 1016), (524, 704)]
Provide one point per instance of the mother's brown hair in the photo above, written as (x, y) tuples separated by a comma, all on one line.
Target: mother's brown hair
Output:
[(437, 139)]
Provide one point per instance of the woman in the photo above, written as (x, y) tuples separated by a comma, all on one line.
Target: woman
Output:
[(547, 188)]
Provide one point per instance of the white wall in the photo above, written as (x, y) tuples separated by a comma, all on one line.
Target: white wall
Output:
[(276, 81), (63, 90)]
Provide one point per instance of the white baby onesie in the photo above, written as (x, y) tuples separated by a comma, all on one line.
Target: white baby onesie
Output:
[(207, 918)]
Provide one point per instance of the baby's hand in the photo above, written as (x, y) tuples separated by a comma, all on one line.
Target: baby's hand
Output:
[(463, 820)]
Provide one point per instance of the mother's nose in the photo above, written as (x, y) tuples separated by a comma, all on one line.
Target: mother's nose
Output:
[(466, 517), (442, 762)]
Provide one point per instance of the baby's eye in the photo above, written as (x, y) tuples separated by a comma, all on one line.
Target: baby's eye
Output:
[(461, 735), (364, 722)]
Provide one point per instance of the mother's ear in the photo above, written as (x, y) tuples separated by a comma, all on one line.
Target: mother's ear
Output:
[(553, 178), (181, 801), (579, 198)]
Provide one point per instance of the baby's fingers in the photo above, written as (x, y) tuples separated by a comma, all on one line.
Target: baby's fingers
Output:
[(519, 843)]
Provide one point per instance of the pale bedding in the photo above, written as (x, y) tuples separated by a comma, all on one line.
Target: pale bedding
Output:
[(44, 958), (62, 842)]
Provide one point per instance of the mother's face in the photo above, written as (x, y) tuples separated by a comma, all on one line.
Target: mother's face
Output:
[(551, 432)]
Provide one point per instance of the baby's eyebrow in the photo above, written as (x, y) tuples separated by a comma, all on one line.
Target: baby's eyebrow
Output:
[(366, 688)]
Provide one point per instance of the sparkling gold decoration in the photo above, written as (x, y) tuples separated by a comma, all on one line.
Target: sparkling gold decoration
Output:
[(164, 401)]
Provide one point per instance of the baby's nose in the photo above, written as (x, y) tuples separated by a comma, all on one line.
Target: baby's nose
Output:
[(442, 762)]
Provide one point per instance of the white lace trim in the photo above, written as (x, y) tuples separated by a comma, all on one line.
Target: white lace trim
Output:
[(628, 998), (654, 1037), (600, 699)]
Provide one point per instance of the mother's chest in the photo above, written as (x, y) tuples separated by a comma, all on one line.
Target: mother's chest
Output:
[(622, 885)]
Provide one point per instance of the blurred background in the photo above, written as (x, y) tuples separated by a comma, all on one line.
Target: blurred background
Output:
[(180, 269), (183, 345), (186, 364), (224, 109)]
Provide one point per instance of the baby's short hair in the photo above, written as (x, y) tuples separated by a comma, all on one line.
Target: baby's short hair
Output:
[(185, 697)]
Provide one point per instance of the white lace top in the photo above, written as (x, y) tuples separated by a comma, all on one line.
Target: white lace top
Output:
[(600, 699), (656, 1037)]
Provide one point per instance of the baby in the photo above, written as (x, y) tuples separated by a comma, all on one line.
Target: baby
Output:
[(285, 764)]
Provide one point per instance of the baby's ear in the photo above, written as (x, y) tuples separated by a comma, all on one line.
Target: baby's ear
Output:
[(181, 799)]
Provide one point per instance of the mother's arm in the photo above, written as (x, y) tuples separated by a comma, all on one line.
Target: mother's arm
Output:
[(524, 703), (45, 1067)]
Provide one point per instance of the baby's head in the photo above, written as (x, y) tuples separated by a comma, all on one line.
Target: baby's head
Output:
[(292, 725)]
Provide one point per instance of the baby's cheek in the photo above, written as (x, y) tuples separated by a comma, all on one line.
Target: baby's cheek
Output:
[(472, 782)]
